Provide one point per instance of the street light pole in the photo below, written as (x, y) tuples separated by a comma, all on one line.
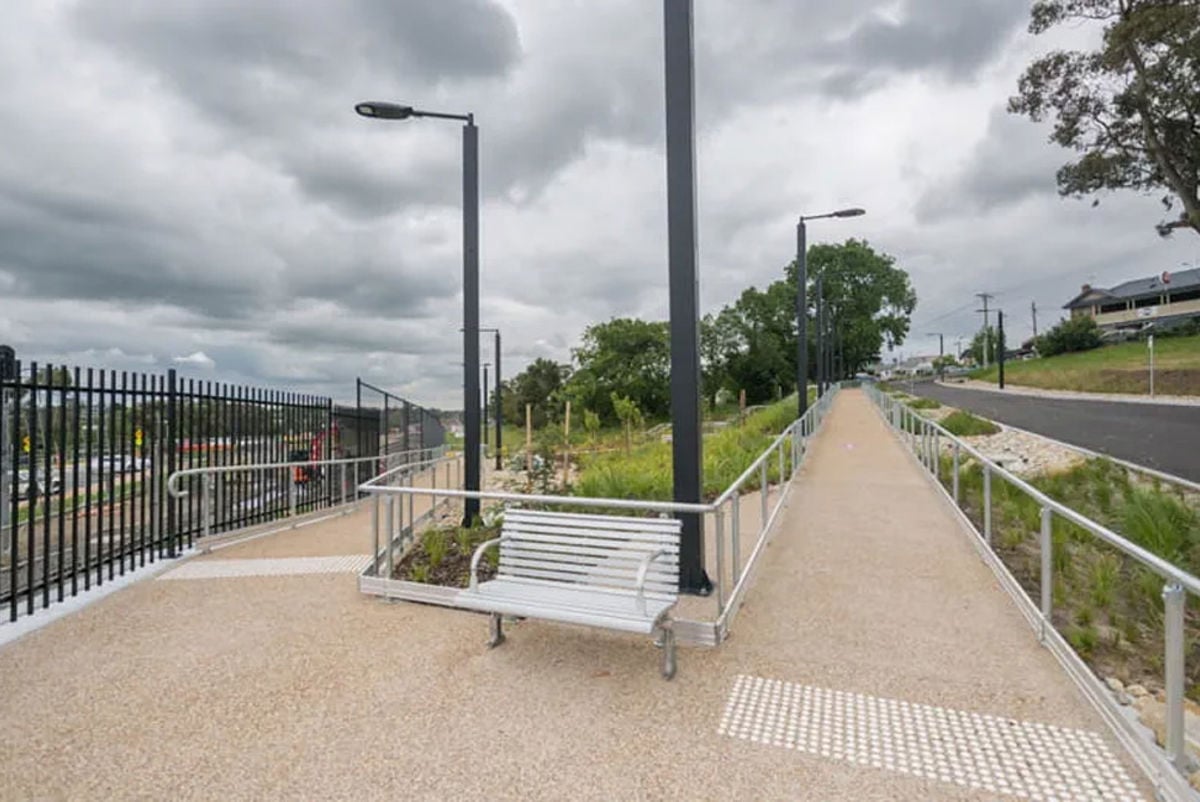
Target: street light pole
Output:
[(802, 306), (470, 178), (498, 402), (684, 289), (820, 323), (486, 365)]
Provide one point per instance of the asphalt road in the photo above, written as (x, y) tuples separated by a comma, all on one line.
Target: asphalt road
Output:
[(1159, 436)]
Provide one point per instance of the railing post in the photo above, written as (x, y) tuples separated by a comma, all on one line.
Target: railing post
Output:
[(735, 536), (719, 579), (987, 503), (762, 473), (407, 481), (291, 480), (956, 472), (782, 475), (206, 505), (1174, 600), (433, 502), (390, 514), (937, 455), (343, 475), (1047, 553), (356, 482), (375, 530)]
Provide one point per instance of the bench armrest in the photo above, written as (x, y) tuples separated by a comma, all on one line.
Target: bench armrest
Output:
[(478, 555), (644, 569)]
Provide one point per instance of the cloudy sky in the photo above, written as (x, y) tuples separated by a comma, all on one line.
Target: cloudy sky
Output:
[(184, 182)]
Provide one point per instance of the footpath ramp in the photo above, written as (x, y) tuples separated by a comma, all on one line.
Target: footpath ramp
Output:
[(883, 637)]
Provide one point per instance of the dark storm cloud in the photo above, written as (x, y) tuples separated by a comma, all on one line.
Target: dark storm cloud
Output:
[(1010, 164), (266, 63), (953, 38)]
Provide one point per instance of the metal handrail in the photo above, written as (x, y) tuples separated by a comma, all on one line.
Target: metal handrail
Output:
[(1177, 581), (206, 475), (175, 490)]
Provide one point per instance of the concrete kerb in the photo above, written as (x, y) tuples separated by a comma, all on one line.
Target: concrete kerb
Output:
[(1074, 395), (1137, 740)]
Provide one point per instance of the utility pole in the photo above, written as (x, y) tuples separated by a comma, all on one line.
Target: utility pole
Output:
[(941, 350), (1033, 309), (1000, 344), (987, 337)]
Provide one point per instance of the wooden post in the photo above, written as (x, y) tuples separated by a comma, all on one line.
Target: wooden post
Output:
[(566, 443), (528, 438), (741, 406)]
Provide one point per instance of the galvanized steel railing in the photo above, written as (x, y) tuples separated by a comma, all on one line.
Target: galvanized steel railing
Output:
[(348, 469), (789, 449), (925, 437)]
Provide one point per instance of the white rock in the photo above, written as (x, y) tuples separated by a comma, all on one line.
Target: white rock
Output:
[(1115, 685), (1137, 691)]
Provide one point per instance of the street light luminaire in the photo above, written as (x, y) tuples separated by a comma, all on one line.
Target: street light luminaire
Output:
[(850, 213), (384, 111)]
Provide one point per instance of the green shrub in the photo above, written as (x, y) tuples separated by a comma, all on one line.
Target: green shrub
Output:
[(436, 544), (1159, 523), (1103, 575), (964, 424), (924, 403), (1073, 334)]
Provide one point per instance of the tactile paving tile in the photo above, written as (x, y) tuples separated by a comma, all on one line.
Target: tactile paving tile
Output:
[(1024, 759), (279, 566)]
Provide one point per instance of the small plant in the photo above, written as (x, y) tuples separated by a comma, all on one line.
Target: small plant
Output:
[(1103, 576), (964, 424), (436, 545), (924, 403), (419, 573), (1083, 639), (1160, 524), (464, 540)]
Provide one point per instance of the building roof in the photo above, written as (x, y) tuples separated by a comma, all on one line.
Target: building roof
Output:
[(1137, 288)]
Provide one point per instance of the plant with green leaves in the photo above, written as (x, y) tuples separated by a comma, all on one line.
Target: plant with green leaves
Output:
[(591, 425), (629, 414)]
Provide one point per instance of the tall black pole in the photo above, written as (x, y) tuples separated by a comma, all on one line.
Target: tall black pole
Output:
[(802, 316), (684, 288), (471, 315), (485, 403), (1000, 345), (499, 404), (820, 324)]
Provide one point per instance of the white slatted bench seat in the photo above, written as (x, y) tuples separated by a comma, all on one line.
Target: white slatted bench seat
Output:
[(606, 571)]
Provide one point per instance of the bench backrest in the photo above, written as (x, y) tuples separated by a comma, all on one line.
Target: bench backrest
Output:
[(600, 551)]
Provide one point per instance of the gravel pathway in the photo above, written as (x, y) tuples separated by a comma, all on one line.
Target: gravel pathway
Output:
[(873, 634)]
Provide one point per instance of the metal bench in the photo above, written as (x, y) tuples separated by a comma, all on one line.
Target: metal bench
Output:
[(603, 571)]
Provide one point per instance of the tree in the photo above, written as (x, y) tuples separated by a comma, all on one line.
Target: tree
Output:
[(870, 299), (591, 425), (1073, 334), (989, 336), (1131, 107), (628, 413), (626, 356), (539, 385)]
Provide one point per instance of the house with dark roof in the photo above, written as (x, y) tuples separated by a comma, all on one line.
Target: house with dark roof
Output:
[(1159, 302)]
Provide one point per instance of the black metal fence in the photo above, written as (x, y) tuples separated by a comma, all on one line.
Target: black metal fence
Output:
[(389, 424), (85, 454)]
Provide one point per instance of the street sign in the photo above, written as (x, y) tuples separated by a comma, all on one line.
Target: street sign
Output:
[(137, 437)]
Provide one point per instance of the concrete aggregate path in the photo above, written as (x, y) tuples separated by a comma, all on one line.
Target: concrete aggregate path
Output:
[(876, 659)]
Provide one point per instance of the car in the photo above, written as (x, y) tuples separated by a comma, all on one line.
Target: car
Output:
[(23, 485)]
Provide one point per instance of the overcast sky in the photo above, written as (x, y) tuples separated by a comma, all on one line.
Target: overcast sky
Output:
[(184, 182)]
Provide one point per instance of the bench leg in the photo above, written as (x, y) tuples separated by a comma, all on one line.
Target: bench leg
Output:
[(497, 633), (668, 646)]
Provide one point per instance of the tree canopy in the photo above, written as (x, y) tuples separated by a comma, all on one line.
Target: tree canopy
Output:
[(627, 357), (1131, 108), (538, 385)]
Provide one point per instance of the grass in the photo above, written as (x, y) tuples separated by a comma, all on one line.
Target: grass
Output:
[(964, 424), (442, 556), (1121, 368), (924, 403), (646, 472), (1105, 604)]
